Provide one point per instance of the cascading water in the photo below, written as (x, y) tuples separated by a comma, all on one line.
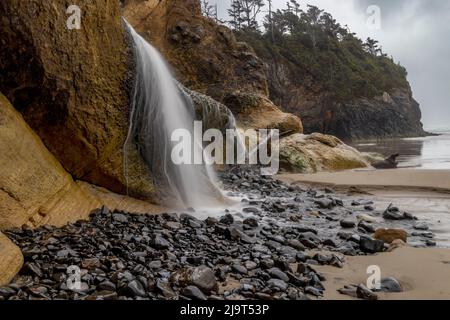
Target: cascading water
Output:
[(159, 107)]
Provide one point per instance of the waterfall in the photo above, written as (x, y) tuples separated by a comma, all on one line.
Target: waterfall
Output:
[(160, 106)]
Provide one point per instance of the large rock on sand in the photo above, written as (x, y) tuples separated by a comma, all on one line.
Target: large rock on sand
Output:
[(317, 152), (71, 86), (11, 260)]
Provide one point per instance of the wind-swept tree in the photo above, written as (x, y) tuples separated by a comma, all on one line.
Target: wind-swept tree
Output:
[(244, 13), (208, 9), (371, 46)]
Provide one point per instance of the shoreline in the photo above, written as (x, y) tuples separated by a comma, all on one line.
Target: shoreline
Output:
[(420, 271)]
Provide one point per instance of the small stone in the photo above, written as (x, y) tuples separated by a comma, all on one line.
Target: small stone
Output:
[(366, 227), (106, 286), (193, 292), (135, 289), (391, 285), (421, 226), (369, 245), (389, 235), (239, 269), (294, 243), (227, 219), (120, 218), (250, 265), (313, 291), (211, 221), (172, 225), (277, 284), (277, 273), (33, 269), (204, 278), (90, 263), (362, 292), (160, 243), (156, 264), (7, 292), (251, 210), (325, 203), (251, 222)]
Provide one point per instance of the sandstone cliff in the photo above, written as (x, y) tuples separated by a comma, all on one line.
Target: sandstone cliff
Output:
[(11, 260), (72, 87), (391, 114)]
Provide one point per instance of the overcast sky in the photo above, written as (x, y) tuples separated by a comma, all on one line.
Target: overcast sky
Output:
[(415, 32)]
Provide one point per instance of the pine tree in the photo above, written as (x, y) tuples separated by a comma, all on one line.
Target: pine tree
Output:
[(208, 9)]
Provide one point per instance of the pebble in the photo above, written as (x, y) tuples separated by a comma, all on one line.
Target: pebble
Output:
[(194, 293), (347, 223)]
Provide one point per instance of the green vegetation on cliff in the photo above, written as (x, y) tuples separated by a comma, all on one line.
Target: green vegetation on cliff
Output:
[(322, 50)]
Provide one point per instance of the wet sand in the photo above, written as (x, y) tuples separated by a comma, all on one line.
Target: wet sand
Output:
[(423, 273), (432, 180)]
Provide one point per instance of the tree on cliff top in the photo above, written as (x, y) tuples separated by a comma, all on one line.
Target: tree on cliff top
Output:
[(244, 14), (318, 47)]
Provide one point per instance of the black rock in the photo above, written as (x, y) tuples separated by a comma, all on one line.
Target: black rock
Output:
[(313, 291), (325, 203), (106, 286), (32, 269), (362, 292), (347, 223), (277, 273), (421, 226), (194, 293), (204, 278), (252, 222), (239, 269), (391, 285), (160, 243), (369, 245), (118, 217), (368, 227), (227, 219)]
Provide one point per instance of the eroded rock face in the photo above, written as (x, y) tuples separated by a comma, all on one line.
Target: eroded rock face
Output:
[(318, 152), (258, 112), (392, 114), (71, 87), (11, 260), (34, 188), (205, 56)]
